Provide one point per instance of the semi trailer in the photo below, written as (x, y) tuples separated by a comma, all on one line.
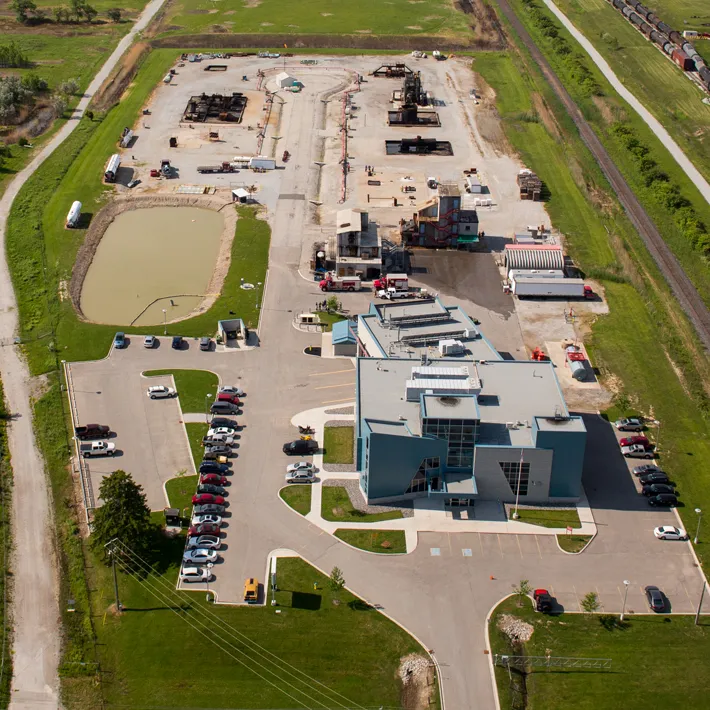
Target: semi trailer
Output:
[(550, 288)]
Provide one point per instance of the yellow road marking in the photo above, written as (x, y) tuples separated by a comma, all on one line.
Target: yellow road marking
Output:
[(331, 372), (328, 387), (334, 401)]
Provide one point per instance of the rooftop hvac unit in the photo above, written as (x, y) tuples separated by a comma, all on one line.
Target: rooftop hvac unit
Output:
[(451, 347)]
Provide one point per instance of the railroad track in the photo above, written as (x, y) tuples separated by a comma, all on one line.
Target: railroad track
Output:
[(682, 287)]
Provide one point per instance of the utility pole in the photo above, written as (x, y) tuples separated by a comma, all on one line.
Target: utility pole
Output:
[(700, 604), (112, 552)]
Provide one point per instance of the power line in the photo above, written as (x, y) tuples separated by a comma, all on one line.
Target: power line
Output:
[(263, 652)]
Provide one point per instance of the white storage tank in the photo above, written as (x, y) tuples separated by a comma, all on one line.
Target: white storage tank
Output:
[(112, 168), (126, 140), (74, 214)]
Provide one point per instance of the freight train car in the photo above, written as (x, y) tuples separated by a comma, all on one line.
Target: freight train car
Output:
[(636, 19), (663, 27), (658, 38), (699, 62), (704, 74), (628, 11), (668, 48), (618, 4), (642, 10), (682, 59), (676, 37)]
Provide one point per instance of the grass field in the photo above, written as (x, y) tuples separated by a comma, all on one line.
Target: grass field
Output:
[(338, 443), (573, 543), (559, 518), (192, 387), (345, 643), (336, 507), (682, 645), (180, 491), (396, 17), (581, 207), (382, 541), (297, 497), (195, 434), (677, 13)]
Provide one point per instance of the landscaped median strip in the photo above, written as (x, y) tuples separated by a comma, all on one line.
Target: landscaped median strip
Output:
[(379, 541)]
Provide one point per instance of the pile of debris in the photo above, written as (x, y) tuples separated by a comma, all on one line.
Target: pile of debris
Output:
[(530, 185), (517, 630)]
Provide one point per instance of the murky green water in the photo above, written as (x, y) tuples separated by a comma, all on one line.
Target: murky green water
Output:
[(149, 254)]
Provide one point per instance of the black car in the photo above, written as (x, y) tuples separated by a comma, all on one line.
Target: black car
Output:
[(213, 467), (224, 408), (655, 599), (645, 468), (177, 342), (211, 488), (665, 500), (659, 488), (218, 422), (543, 601), (300, 447), (651, 478)]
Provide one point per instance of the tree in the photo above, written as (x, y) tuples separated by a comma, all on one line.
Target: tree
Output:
[(22, 8), (337, 582), (114, 14), (124, 515), (90, 12), (69, 87), (522, 590), (59, 104), (590, 603), (332, 304), (34, 83), (89, 114)]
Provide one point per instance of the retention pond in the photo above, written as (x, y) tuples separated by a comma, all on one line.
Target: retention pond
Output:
[(149, 260)]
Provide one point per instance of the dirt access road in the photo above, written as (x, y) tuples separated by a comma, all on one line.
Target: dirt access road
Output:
[(35, 682)]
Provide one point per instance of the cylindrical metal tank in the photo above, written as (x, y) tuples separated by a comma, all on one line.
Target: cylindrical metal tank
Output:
[(658, 38), (663, 27), (646, 28), (676, 37), (636, 19), (618, 4), (627, 11), (578, 370)]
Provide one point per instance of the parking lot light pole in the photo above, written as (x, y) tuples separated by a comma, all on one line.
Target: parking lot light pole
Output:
[(697, 530), (208, 397), (700, 604), (623, 606), (165, 321)]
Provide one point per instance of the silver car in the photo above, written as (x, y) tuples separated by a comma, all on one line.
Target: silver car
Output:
[(161, 392), (300, 477), (195, 574), (231, 389), (149, 341), (200, 556), (208, 542), (207, 518)]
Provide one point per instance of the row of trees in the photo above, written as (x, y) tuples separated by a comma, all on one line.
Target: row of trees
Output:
[(26, 11), (16, 93), (12, 56)]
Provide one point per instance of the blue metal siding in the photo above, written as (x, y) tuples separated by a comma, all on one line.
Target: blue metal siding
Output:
[(567, 462)]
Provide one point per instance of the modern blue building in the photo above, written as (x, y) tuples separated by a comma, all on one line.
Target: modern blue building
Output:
[(440, 414)]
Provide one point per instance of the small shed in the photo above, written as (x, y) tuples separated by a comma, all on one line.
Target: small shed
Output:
[(344, 339), (284, 80), (240, 195), (230, 331)]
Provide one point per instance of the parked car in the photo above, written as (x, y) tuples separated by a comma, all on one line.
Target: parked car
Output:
[(205, 344), (251, 591), (206, 519), (227, 397), (300, 447), (650, 478), (177, 342), (301, 466), (212, 457), (203, 498), (119, 341), (161, 392), (150, 341), (656, 599), (213, 478), (204, 529), (223, 422), (207, 542), (224, 408), (222, 431), (669, 532), (133, 183), (207, 511), (629, 424), (636, 451), (543, 601), (218, 449), (195, 574), (232, 389), (212, 467), (215, 439), (200, 556), (634, 440), (91, 431), (211, 488), (657, 488), (645, 468), (664, 500), (300, 477)]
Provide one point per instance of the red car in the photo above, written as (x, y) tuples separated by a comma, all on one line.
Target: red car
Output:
[(226, 397), (213, 478), (203, 498), (204, 529), (631, 440)]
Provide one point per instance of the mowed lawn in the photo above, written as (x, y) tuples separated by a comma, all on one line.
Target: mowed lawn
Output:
[(338, 443), (196, 388), (657, 662), (677, 13), (396, 17), (152, 654)]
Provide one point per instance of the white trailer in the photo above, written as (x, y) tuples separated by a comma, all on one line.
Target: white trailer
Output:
[(536, 274), (112, 168), (473, 184), (74, 214), (126, 139), (550, 288), (261, 162)]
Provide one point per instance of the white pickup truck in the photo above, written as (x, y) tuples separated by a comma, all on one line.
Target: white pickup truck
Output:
[(97, 448), (636, 451)]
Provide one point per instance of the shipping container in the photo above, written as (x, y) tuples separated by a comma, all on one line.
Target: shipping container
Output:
[(682, 59)]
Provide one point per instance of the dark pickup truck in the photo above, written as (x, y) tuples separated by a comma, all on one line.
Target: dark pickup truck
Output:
[(91, 431)]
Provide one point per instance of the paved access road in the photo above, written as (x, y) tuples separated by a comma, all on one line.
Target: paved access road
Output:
[(673, 272), (35, 612)]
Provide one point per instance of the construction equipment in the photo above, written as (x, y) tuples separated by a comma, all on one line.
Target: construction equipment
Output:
[(539, 355), (392, 71), (166, 169)]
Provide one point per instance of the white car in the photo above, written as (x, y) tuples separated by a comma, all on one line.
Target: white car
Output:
[(207, 542), (201, 519), (200, 556), (636, 451), (160, 392), (231, 389), (149, 341), (222, 431), (668, 532), (195, 574), (301, 466), (300, 477)]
